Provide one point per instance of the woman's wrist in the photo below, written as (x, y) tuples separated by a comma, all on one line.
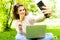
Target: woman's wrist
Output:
[(23, 32), (46, 16)]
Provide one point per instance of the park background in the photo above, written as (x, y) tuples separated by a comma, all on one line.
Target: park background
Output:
[(7, 29)]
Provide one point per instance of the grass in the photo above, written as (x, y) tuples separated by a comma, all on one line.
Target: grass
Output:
[(10, 35), (56, 32)]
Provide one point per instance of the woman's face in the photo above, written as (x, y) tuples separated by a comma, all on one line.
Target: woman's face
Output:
[(21, 10)]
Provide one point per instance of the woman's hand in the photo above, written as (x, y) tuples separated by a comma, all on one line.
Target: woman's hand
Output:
[(20, 28), (46, 11)]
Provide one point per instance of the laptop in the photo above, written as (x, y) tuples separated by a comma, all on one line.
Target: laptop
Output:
[(35, 31)]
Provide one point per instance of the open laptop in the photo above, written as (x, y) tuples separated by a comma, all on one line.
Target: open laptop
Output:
[(35, 31)]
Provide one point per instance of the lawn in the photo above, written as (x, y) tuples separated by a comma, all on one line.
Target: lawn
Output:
[(56, 32), (10, 35)]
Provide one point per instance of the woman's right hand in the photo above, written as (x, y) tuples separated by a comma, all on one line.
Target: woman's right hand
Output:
[(20, 28), (47, 12)]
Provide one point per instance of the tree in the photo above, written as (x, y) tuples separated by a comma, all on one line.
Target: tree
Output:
[(6, 7)]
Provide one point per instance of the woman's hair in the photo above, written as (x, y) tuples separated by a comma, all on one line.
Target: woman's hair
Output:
[(15, 10)]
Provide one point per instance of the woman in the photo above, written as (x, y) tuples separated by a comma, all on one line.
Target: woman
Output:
[(23, 18)]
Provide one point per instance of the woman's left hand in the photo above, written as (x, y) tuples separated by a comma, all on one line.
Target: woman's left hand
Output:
[(46, 11)]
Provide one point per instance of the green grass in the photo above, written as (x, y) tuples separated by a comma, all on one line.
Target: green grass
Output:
[(10, 35), (56, 32)]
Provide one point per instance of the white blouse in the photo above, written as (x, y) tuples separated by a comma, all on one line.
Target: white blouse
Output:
[(30, 20)]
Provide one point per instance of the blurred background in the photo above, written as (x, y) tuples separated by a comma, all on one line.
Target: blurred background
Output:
[(7, 29)]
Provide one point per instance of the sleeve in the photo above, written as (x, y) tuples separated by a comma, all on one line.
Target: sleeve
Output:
[(38, 18)]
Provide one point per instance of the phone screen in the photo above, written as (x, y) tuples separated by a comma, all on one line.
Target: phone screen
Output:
[(40, 4)]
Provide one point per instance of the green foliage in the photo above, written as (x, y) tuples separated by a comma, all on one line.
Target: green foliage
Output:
[(5, 12)]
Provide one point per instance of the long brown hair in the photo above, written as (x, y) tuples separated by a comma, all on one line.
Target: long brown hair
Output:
[(15, 9)]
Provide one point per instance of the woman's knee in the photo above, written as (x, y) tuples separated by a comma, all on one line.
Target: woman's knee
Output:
[(48, 36)]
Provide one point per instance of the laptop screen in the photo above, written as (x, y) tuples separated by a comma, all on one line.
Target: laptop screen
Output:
[(35, 31)]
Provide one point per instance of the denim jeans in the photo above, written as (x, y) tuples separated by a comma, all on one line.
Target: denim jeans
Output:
[(48, 36)]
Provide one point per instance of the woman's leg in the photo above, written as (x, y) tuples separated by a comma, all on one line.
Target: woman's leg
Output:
[(48, 36), (20, 37)]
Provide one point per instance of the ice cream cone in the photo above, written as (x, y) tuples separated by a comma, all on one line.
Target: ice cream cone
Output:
[(21, 17)]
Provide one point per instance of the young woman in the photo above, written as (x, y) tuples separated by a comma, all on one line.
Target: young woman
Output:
[(23, 18)]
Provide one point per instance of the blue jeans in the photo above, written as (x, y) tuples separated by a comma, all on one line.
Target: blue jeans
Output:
[(48, 36)]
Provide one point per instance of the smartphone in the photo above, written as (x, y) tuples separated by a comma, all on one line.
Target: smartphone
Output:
[(40, 4)]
